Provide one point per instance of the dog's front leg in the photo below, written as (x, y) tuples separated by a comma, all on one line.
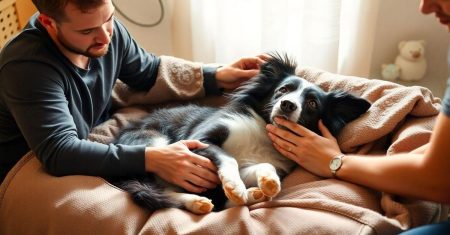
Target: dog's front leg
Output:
[(262, 175), (228, 171)]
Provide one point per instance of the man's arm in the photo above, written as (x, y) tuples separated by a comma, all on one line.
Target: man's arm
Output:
[(38, 103)]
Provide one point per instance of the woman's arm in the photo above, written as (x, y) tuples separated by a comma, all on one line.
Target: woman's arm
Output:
[(424, 173)]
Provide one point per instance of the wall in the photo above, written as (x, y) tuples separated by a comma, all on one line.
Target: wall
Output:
[(157, 40), (401, 20)]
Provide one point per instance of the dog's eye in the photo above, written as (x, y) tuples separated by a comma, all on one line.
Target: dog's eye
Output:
[(312, 104), (283, 90)]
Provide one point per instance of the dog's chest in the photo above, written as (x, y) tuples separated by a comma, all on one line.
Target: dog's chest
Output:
[(248, 142)]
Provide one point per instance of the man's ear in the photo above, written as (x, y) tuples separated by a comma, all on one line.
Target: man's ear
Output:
[(48, 22)]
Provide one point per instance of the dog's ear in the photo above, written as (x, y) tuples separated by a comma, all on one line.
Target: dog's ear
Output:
[(342, 108)]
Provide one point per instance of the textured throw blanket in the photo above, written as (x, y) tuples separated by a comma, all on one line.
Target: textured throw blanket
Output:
[(400, 119)]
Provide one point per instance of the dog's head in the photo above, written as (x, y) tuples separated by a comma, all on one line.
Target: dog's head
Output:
[(277, 91)]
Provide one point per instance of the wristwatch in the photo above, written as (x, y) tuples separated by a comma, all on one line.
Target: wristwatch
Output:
[(336, 163)]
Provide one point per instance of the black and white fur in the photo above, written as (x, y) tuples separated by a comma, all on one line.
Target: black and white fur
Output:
[(249, 167)]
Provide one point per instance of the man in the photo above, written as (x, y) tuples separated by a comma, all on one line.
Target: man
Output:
[(56, 79)]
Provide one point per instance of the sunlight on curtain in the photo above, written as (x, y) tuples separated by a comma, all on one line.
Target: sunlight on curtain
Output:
[(308, 30)]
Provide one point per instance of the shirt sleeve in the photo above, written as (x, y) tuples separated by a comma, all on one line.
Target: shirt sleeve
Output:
[(137, 68), (446, 100), (210, 82), (39, 106)]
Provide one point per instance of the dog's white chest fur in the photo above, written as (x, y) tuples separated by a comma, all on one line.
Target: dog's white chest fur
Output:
[(248, 141)]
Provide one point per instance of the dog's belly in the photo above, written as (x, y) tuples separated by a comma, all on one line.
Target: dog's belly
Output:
[(249, 144)]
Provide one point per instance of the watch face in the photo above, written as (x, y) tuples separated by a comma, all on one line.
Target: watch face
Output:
[(335, 164)]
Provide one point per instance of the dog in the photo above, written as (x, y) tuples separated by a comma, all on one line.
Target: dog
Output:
[(249, 168)]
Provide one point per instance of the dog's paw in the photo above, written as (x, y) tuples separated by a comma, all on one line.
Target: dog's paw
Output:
[(255, 195), (235, 192), (200, 205), (270, 186)]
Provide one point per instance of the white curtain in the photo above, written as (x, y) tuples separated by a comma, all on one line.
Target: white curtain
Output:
[(334, 35)]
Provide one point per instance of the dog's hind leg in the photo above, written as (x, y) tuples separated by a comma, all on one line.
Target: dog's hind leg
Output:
[(193, 203)]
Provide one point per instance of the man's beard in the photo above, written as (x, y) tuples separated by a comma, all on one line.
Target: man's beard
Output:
[(87, 53)]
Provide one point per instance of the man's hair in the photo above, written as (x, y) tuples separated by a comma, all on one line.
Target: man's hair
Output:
[(55, 8)]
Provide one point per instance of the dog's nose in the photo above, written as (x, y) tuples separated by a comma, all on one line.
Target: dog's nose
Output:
[(287, 106)]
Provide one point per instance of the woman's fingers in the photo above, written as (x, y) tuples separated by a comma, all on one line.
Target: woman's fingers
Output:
[(324, 130), (281, 143), (294, 127), (285, 152)]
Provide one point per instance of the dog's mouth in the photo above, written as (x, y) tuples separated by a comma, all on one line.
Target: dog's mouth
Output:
[(285, 117), (282, 116)]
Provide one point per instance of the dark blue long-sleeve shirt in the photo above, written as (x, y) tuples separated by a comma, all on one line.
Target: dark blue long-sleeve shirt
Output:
[(49, 105)]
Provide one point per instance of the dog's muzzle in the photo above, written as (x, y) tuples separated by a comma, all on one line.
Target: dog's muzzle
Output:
[(287, 106)]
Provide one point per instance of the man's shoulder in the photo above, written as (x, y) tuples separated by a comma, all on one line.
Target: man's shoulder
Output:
[(29, 45)]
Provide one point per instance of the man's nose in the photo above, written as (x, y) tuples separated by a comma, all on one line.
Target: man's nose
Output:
[(104, 36)]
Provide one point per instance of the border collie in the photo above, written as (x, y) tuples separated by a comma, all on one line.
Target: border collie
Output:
[(249, 167)]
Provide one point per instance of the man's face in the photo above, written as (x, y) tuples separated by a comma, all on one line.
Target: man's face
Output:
[(440, 8), (86, 33)]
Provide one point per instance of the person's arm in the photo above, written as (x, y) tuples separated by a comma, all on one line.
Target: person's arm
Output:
[(425, 176), (39, 104)]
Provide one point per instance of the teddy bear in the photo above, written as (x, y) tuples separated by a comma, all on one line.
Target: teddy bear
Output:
[(411, 60)]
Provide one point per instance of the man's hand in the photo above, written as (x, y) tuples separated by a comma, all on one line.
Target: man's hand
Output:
[(176, 164), (231, 76)]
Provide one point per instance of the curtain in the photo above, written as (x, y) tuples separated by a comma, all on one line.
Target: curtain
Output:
[(334, 35)]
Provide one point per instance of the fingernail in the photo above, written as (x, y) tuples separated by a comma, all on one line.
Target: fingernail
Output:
[(269, 127)]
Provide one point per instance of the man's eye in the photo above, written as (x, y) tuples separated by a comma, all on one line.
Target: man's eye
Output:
[(86, 32), (312, 103)]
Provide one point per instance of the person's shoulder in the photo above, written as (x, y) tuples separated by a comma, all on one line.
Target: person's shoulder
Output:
[(120, 27), (33, 33), (31, 44)]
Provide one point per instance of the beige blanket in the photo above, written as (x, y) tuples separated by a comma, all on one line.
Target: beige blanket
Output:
[(400, 119)]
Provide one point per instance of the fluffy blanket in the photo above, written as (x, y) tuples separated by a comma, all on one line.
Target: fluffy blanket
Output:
[(400, 119)]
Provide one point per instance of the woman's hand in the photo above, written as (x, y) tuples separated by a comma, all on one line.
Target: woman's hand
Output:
[(231, 76), (308, 149), (176, 164)]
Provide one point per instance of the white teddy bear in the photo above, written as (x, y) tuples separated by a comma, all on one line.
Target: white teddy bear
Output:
[(411, 60)]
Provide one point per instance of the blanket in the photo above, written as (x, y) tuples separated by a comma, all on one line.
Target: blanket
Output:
[(400, 119)]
